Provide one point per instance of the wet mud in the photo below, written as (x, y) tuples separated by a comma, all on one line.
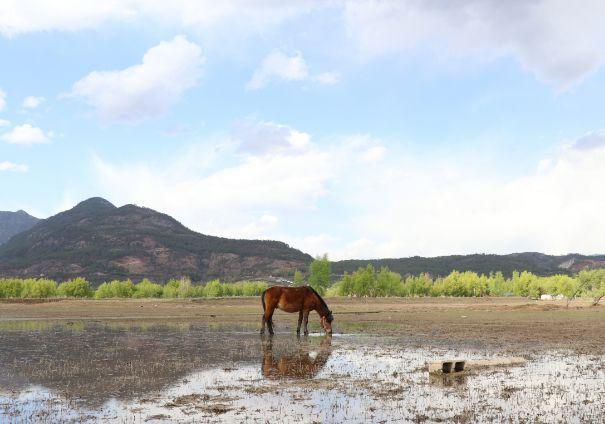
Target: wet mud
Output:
[(84, 371)]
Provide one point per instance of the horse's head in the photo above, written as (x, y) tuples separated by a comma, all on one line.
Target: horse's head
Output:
[(326, 322)]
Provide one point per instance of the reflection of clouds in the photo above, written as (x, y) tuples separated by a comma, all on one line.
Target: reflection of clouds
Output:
[(365, 379), (96, 363)]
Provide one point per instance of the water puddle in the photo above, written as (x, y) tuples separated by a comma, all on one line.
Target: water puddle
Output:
[(89, 372)]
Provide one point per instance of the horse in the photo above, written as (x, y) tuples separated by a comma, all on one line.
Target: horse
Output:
[(301, 364), (295, 299)]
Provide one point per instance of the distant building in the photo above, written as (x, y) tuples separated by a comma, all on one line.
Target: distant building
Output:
[(552, 297)]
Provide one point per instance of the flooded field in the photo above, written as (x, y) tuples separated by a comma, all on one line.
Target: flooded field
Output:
[(89, 371)]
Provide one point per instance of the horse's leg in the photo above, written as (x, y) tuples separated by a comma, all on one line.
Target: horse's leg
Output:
[(269, 318), (262, 297), (306, 320), (300, 318)]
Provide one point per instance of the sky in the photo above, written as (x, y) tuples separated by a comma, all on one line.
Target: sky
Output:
[(361, 129)]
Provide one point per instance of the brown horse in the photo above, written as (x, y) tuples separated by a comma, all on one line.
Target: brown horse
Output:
[(299, 364), (295, 299)]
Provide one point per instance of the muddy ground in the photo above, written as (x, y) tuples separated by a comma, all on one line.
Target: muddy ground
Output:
[(204, 361), (506, 323)]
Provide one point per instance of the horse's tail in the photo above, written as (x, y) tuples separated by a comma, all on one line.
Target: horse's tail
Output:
[(262, 298)]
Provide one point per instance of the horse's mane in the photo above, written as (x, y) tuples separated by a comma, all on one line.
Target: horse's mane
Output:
[(323, 302)]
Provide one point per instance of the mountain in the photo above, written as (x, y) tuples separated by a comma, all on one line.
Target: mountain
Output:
[(101, 242), (12, 223), (537, 263)]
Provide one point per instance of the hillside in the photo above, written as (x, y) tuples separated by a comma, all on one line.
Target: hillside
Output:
[(101, 242), (537, 263), (12, 223)]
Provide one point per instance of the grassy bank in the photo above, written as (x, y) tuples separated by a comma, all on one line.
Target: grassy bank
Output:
[(365, 282)]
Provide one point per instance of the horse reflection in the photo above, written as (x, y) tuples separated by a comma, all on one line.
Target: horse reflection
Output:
[(306, 362)]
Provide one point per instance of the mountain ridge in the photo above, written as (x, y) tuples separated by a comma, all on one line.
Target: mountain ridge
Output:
[(13, 223), (536, 262), (100, 241)]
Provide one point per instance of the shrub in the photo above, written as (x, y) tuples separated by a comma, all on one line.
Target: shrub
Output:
[(146, 289), (213, 289), (521, 283), (251, 288), (198, 291), (334, 290), (38, 288), (388, 283), (114, 289), (78, 287), (497, 285), (171, 289), (417, 286), (367, 282), (10, 287)]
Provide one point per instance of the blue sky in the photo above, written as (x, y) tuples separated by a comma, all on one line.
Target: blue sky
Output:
[(358, 128)]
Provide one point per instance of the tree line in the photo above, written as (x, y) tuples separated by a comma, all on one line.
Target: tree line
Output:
[(365, 282), (81, 288), (371, 282)]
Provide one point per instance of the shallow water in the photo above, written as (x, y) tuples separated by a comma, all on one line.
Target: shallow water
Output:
[(87, 372)]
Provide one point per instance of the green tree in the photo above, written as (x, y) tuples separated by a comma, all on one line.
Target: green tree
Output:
[(594, 283), (38, 288), (298, 278), (115, 288), (319, 275), (364, 281), (10, 287), (147, 289), (78, 287), (214, 289), (388, 283)]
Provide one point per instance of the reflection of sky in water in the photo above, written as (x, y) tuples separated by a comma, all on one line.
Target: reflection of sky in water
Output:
[(353, 378)]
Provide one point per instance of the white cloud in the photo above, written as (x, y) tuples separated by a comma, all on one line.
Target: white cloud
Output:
[(4, 123), (279, 66), (32, 102), (327, 198), (9, 166), (558, 41), (18, 17), (260, 138), (23, 16), (145, 90), (373, 154), (590, 141), (26, 134), (245, 197), (2, 100), (328, 78), (314, 244), (367, 148), (422, 208)]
